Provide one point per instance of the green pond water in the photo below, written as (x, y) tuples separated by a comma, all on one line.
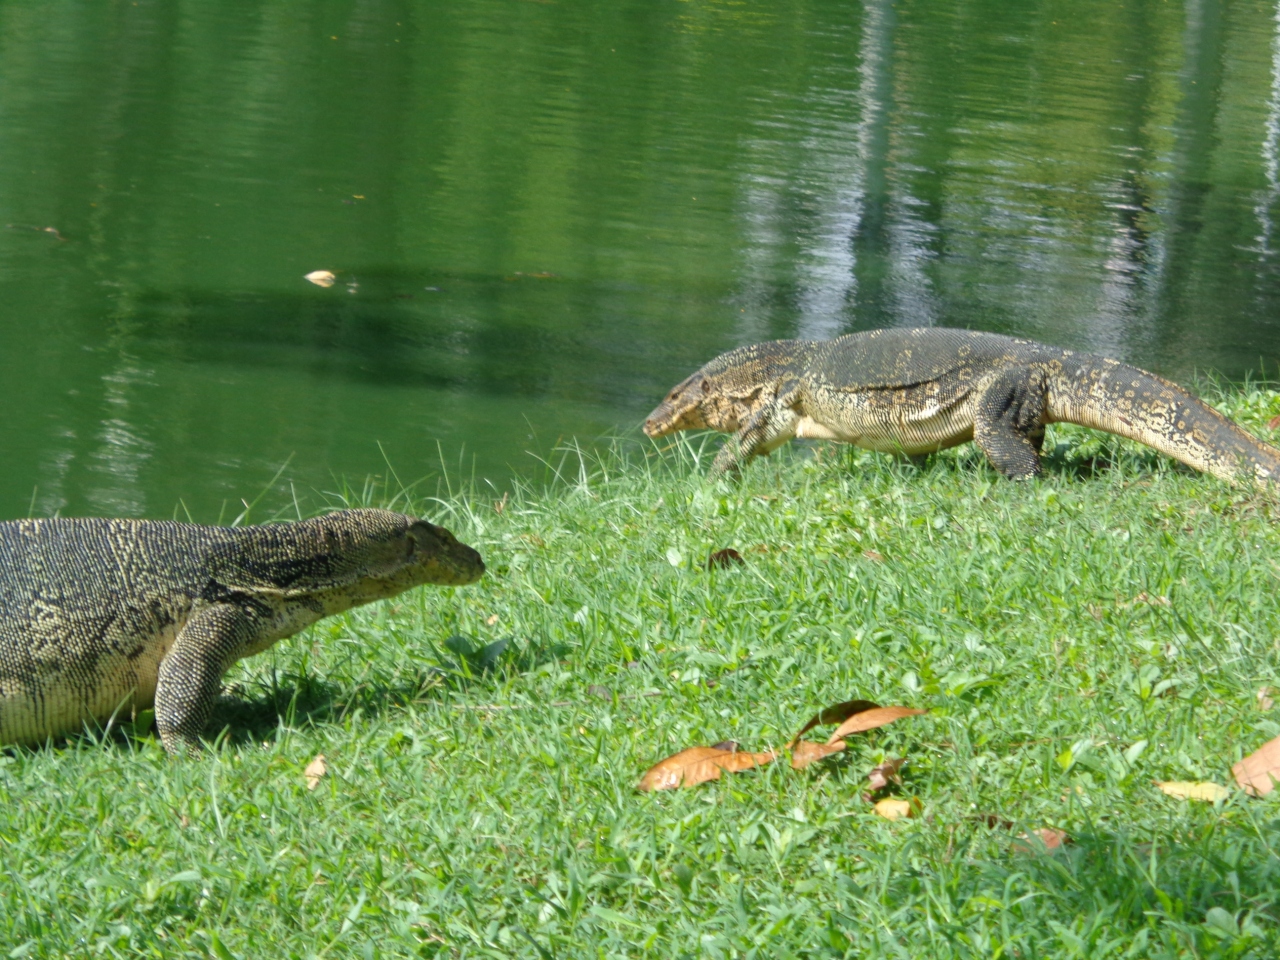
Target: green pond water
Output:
[(541, 215)]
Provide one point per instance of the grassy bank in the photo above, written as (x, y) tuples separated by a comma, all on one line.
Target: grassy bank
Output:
[(481, 802)]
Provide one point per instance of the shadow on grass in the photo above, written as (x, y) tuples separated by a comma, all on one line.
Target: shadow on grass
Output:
[(303, 699), (253, 712)]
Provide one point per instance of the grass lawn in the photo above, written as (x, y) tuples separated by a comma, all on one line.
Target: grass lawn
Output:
[(482, 803)]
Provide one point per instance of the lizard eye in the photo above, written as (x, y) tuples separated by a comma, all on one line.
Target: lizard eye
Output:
[(706, 385)]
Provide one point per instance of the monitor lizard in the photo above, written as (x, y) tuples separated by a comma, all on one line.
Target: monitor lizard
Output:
[(916, 391), (102, 618)]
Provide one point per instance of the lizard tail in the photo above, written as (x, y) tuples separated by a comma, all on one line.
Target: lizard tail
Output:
[(1112, 396)]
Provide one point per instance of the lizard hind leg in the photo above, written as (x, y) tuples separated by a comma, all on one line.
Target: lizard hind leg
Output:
[(1008, 421)]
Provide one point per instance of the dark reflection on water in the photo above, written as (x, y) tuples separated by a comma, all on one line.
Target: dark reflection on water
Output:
[(542, 215)]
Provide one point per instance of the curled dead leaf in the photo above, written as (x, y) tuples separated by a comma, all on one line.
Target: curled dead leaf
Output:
[(1050, 838), (805, 752), (1273, 423), (837, 713), (723, 559), (700, 764), (892, 808), (874, 555), (321, 278), (883, 773), (1258, 772), (1188, 790), (314, 771), (870, 719)]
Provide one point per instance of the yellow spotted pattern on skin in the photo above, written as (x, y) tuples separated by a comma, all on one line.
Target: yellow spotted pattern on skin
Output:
[(916, 391), (101, 618)]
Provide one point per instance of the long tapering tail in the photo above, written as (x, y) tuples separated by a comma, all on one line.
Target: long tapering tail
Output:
[(1113, 396)]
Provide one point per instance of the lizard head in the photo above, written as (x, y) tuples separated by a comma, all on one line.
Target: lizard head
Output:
[(352, 557), (726, 391)]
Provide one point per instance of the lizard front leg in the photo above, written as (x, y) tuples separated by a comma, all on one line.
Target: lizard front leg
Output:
[(190, 676), (1008, 421), (772, 425)]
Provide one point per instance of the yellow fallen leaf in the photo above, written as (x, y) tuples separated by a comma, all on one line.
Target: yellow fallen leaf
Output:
[(698, 765), (321, 278), (1187, 790), (1258, 772), (891, 808), (314, 771)]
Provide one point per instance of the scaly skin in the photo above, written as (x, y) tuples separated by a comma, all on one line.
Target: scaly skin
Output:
[(102, 618), (916, 391)]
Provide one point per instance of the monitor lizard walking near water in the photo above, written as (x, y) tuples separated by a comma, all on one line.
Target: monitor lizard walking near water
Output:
[(102, 618), (915, 391)]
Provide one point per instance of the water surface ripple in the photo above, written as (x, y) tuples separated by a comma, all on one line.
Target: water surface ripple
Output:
[(542, 215)]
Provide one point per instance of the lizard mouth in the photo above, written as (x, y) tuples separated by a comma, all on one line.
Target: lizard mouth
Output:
[(654, 427)]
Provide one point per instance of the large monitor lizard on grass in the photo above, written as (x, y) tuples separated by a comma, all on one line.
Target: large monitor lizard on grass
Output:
[(915, 391), (102, 618)]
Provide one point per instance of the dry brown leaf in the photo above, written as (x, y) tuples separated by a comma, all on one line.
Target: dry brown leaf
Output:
[(321, 278), (1051, 838), (723, 559), (1146, 598), (1258, 772), (1264, 698), (991, 820), (1187, 790), (699, 764), (891, 808), (1273, 423), (870, 719), (837, 713), (880, 775), (875, 555), (805, 752), (314, 771)]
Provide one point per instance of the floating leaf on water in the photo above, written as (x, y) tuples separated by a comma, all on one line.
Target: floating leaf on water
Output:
[(698, 765), (314, 771), (1258, 772), (1188, 790), (321, 278)]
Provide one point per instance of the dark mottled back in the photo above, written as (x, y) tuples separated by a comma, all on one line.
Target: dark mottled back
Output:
[(904, 357)]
